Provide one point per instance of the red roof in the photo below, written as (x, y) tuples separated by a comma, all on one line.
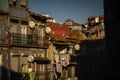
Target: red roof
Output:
[(76, 24), (58, 31)]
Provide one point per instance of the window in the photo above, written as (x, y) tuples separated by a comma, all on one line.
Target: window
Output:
[(14, 20), (24, 22), (2, 29)]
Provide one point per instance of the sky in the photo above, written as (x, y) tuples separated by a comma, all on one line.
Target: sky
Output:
[(60, 10)]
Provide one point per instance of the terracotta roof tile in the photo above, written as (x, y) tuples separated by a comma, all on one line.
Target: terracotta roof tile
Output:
[(58, 31)]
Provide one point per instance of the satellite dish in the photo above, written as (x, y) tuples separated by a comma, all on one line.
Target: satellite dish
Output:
[(48, 30), (77, 47), (31, 24), (30, 58)]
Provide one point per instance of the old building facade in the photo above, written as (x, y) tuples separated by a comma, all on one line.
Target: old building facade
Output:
[(22, 36), (30, 44)]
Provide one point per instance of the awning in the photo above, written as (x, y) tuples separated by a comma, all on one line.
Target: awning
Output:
[(39, 60)]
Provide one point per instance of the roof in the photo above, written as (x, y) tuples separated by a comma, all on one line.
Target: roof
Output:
[(68, 20), (39, 16), (101, 17), (73, 23), (77, 35), (58, 31)]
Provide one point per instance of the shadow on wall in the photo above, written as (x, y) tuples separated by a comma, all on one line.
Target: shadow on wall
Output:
[(8, 74), (4, 73), (91, 60)]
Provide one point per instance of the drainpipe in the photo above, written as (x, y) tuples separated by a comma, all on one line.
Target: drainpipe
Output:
[(9, 43)]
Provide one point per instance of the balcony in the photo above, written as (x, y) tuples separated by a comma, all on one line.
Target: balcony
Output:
[(27, 40)]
